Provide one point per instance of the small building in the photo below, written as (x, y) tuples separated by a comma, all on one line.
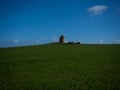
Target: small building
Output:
[(61, 39)]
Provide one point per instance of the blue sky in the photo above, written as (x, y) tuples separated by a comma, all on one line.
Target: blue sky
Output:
[(28, 22)]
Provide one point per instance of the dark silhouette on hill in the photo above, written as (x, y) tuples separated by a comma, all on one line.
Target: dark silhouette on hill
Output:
[(61, 39)]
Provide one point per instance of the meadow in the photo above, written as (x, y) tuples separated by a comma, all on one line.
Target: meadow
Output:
[(60, 67)]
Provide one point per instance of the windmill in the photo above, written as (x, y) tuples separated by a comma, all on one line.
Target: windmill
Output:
[(61, 39)]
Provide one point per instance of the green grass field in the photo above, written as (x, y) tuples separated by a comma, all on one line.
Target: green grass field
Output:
[(60, 67)]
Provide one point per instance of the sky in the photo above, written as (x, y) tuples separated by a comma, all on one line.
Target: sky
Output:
[(32, 22)]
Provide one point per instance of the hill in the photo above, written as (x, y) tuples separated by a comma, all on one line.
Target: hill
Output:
[(60, 67)]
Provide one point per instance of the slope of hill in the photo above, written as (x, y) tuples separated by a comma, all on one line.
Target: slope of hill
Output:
[(60, 67)]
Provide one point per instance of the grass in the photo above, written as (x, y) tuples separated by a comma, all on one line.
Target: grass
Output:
[(60, 67)]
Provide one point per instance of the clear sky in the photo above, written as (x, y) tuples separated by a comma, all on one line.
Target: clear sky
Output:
[(27, 22)]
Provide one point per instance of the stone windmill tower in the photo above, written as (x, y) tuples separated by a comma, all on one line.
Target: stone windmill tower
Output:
[(61, 39)]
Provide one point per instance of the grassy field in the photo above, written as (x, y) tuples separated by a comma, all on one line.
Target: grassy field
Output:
[(60, 67)]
